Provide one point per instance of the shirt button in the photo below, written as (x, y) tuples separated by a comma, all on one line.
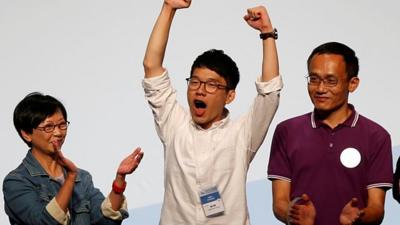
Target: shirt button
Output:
[(330, 145)]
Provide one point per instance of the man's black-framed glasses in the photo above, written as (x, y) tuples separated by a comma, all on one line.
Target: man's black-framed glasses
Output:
[(329, 81), (51, 127), (210, 86)]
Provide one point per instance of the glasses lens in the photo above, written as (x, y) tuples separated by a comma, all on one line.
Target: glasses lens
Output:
[(49, 128), (331, 82), (193, 83), (63, 126), (211, 87), (313, 80)]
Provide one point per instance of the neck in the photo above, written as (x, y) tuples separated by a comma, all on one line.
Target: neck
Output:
[(48, 162), (334, 117)]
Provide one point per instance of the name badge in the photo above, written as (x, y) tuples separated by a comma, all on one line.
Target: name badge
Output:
[(212, 202)]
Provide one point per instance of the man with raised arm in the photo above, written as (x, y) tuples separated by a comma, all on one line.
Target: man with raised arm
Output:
[(207, 155)]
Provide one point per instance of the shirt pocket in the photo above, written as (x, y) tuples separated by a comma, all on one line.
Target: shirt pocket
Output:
[(82, 207), (81, 213), (224, 159), (44, 194)]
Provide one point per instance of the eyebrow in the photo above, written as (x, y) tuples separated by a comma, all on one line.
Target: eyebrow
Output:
[(323, 75), (211, 79), (52, 122)]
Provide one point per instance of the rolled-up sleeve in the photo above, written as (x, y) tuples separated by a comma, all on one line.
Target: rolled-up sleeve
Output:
[(57, 213), (23, 203), (162, 99), (273, 85), (106, 209), (262, 112)]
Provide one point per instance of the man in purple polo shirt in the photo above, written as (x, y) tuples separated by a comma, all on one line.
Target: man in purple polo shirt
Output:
[(334, 160)]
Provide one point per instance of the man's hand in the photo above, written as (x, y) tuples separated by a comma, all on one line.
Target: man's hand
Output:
[(302, 211), (258, 19), (350, 212), (130, 163), (178, 4)]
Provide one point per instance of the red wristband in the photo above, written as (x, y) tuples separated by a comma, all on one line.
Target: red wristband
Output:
[(118, 190)]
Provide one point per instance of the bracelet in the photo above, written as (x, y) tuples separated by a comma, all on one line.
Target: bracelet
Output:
[(118, 190), (273, 34)]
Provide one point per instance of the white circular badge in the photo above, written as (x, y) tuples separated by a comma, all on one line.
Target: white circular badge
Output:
[(350, 157)]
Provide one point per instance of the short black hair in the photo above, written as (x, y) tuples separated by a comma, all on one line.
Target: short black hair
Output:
[(348, 54), (219, 62), (34, 109)]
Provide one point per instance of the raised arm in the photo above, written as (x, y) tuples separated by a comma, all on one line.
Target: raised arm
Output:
[(64, 195), (158, 40), (258, 19), (126, 167)]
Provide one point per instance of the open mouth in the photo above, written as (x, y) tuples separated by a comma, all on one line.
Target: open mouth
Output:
[(200, 104)]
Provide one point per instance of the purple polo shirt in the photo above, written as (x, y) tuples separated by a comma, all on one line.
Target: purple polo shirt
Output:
[(307, 153)]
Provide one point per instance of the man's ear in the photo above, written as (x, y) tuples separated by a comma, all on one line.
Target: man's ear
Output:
[(230, 96), (27, 137), (353, 84)]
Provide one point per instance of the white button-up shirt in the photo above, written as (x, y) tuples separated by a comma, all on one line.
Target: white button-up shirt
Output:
[(196, 159)]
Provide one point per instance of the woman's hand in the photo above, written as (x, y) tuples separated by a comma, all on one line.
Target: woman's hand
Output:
[(130, 163)]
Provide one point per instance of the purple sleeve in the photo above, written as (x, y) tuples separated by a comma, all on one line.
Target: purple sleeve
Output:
[(279, 164), (380, 168)]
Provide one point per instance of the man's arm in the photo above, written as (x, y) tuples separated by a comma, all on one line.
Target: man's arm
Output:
[(158, 40), (372, 214), (280, 199), (267, 101), (299, 212), (259, 19)]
